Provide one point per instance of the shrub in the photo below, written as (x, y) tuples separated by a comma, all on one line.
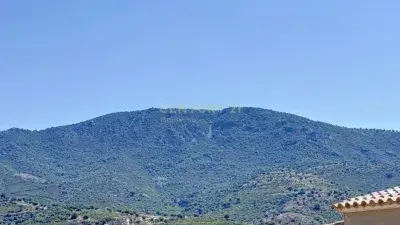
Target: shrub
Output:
[(317, 207), (73, 216)]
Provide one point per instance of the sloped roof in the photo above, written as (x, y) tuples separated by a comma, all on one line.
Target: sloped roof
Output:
[(388, 197)]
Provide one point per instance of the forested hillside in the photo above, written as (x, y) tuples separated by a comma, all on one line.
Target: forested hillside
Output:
[(236, 163)]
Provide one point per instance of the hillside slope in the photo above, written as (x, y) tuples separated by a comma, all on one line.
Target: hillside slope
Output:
[(189, 161), (25, 211)]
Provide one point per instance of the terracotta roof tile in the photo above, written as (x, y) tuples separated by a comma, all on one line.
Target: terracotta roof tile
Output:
[(385, 197)]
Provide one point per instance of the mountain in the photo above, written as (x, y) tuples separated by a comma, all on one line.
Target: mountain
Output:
[(244, 164)]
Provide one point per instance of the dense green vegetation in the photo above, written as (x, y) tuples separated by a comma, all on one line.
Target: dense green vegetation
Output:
[(212, 164), (25, 211)]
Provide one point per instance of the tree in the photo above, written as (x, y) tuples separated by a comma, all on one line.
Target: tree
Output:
[(73, 216), (317, 207)]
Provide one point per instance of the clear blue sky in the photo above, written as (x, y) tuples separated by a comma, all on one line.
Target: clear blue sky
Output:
[(62, 62)]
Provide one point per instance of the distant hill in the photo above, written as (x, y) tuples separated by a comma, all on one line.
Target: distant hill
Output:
[(198, 162)]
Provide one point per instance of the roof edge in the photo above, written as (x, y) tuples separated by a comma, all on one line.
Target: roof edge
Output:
[(367, 208)]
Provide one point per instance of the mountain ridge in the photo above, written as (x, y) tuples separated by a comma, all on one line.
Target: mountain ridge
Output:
[(185, 110)]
